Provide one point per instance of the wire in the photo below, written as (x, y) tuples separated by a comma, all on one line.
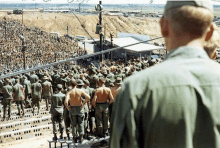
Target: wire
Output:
[(86, 31), (72, 59)]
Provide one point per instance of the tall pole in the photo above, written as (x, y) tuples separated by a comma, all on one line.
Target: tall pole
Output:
[(22, 16), (100, 23)]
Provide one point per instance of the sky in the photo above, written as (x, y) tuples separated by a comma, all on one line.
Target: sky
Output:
[(97, 1)]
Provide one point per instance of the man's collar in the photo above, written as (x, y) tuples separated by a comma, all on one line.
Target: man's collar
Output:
[(187, 52)]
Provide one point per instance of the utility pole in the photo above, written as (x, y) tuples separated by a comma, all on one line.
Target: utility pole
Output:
[(22, 16), (101, 35), (99, 27), (23, 50)]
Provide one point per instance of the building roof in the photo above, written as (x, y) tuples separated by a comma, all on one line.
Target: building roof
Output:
[(138, 37), (135, 48)]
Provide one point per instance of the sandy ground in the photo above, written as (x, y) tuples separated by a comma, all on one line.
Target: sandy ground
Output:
[(57, 22)]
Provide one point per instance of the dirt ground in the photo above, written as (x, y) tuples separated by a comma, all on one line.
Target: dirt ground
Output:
[(57, 22)]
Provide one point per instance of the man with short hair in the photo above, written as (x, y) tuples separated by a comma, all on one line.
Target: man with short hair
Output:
[(7, 91), (175, 103), (47, 91), (27, 86), (36, 91), (75, 105), (18, 94), (101, 100), (57, 103)]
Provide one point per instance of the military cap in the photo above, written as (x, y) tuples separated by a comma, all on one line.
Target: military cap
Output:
[(197, 3), (111, 85), (45, 78), (103, 80), (80, 82), (59, 86), (86, 82), (118, 80)]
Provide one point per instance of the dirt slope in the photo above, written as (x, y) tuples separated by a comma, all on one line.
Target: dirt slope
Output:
[(57, 22)]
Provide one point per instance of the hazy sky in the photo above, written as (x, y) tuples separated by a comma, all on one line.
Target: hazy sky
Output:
[(97, 1)]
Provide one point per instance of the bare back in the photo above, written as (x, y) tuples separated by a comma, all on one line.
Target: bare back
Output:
[(103, 94), (75, 97)]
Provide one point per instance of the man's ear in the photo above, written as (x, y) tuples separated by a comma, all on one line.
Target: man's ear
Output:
[(209, 33), (164, 26)]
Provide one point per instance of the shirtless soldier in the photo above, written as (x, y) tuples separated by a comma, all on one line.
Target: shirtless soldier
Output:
[(101, 100), (76, 109)]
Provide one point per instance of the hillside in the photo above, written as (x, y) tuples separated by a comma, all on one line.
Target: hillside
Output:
[(57, 22)]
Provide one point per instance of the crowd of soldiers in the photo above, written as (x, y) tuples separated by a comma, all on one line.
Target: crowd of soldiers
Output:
[(40, 47), (81, 97)]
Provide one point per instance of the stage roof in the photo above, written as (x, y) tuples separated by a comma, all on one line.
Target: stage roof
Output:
[(136, 48)]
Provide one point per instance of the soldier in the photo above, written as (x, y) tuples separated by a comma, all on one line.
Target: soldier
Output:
[(54, 79), (101, 100), (47, 90), (18, 94), (27, 86), (74, 104), (175, 103), (36, 91), (115, 91), (7, 91), (93, 79), (33, 77), (66, 117), (57, 103)]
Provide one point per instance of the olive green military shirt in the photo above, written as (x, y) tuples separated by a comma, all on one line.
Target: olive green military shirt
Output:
[(57, 102), (27, 86), (173, 104), (18, 91), (7, 91), (46, 89), (36, 89)]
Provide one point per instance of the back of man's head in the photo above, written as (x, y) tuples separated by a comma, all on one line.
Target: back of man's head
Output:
[(191, 18)]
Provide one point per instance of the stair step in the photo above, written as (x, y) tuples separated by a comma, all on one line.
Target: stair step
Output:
[(34, 122), (25, 133)]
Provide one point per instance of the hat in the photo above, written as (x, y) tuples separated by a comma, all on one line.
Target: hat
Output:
[(118, 80), (59, 86), (86, 82), (80, 82), (197, 3), (45, 78), (103, 80)]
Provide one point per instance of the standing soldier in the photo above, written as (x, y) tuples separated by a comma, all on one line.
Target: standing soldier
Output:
[(27, 86), (57, 103), (102, 98), (7, 94), (36, 90), (18, 94), (115, 91), (74, 104), (47, 90), (66, 117)]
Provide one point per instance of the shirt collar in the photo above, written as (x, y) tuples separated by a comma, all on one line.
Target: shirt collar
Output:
[(188, 52)]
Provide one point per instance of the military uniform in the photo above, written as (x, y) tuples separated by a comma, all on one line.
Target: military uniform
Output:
[(18, 91), (176, 108), (57, 102), (27, 86), (66, 117), (7, 94), (36, 94), (46, 91)]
